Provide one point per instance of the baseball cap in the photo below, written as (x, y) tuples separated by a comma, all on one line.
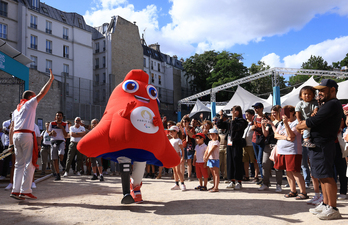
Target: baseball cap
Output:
[(175, 128), (213, 131), (199, 134), (258, 104), (326, 83)]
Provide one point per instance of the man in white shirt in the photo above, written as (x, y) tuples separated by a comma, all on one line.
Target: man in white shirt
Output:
[(23, 139), (76, 133), (58, 130)]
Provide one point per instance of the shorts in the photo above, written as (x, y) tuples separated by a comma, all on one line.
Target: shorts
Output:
[(213, 163), (94, 161), (291, 163), (322, 159), (57, 150), (190, 154), (248, 154), (201, 170)]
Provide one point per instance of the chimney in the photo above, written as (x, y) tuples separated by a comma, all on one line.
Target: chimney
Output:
[(175, 57), (155, 46)]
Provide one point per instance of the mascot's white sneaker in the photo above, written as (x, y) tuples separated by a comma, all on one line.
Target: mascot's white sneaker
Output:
[(136, 193)]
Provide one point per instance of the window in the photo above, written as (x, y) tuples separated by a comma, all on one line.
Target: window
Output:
[(104, 46), (66, 69), (97, 78), (33, 64), (144, 62), (159, 67), (44, 10), (97, 47), (65, 33), (63, 17), (152, 78), (104, 62), (97, 63), (3, 8), (49, 46), (79, 20), (3, 31), (159, 80), (35, 4), (104, 94), (104, 78), (152, 65), (105, 27), (67, 89), (33, 42), (66, 51), (48, 27), (48, 65), (33, 21)]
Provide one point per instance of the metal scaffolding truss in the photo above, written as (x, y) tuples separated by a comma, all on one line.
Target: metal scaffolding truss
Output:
[(274, 72)]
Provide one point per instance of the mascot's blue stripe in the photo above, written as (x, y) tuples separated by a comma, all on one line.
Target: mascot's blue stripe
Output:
[(134, 154)]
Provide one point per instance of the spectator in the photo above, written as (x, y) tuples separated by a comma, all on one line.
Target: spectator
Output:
[(96, 161), (5, 143), (211, 157), (188, 143), (45, 149), (223, 147), (198, 162)]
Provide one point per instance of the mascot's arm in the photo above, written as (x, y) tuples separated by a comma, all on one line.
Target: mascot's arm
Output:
[(126, 112), (156, 121)]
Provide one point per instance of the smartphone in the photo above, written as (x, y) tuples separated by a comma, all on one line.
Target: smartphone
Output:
[(287, 112)]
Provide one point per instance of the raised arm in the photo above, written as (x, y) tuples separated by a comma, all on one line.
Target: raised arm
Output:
[(45, 88)]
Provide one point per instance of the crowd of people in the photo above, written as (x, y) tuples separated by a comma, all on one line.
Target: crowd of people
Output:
[(303, 141)]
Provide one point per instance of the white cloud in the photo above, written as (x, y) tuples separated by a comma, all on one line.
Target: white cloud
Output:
[(199, 25), (330, 50)]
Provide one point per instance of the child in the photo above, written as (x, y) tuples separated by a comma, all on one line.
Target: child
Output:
[(198, 162), (211, 156), (306, 108), (177, 144)]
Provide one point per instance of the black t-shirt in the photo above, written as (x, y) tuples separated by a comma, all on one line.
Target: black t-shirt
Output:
[(326, 123)]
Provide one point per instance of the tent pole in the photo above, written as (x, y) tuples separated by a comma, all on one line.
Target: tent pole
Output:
[(276, 89), (179, 111), (213, 105)]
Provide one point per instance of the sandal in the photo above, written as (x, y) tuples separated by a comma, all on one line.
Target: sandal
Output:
[(210, 188), (214, 190), (198, 188), (291, 194), (203, 188), (302, 196)]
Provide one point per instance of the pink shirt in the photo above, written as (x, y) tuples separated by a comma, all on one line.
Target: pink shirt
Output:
[(215, 153)]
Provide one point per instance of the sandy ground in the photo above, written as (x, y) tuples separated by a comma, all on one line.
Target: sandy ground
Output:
[(78, 200)]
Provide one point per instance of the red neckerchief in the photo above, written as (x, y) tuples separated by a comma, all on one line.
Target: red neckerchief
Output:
[(21, 103)]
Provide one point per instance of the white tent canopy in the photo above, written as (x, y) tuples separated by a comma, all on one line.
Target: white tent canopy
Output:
[(245, 100), (199, 107), (342, 90)]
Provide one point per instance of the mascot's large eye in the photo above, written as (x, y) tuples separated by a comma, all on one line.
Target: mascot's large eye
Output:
[(130, 86), (152, 92)]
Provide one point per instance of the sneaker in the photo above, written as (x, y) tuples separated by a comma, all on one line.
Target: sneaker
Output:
[(315, 198), (318, 209), (227, 181), (286, 185), (231, 185), (175, 187), (33, 185), (9, 186), (238, 186), (101, 178), (183, 187), (259, 182), (136, 193), (57, 177), (94, 177), (16, 196), (256, 179), (27, 196), (320, 200), (329, 213), (263, 188), (307, 185), (65, 174), (78, 174), (2, 178), (278, 188), (342, 196)]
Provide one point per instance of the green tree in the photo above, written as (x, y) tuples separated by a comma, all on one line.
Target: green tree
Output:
[(342, 63)]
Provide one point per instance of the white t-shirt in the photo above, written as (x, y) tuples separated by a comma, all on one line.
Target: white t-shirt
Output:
[(176, 144), (5, 137), (248, 134), (24, 119), (215, 153), (60, 134), (200, 150), (285, 147), (73, 129), (46, 139)]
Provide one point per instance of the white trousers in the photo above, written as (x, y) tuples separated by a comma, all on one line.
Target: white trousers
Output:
[(24, 168)]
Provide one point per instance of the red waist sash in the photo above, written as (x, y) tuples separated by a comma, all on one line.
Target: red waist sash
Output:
[(35, 149)]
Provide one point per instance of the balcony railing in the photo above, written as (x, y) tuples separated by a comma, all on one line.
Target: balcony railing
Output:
[(3, 13), (97, 51), (66, 56), (47, 70), (97, 66), (103, 65), (33, 25), (33, 67), (48, 50), (48, 31), (33, 46), (66, 37)]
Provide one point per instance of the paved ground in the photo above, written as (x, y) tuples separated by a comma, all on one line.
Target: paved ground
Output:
[(78, 200)]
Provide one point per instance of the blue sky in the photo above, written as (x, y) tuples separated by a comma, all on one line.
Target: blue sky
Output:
[(280, 33)]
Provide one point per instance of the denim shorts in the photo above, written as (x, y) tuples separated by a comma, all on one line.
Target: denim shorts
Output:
[(190, 154), (213, 163)]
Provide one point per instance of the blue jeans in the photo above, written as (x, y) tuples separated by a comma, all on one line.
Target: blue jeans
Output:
[(304, 165), (258, 150)]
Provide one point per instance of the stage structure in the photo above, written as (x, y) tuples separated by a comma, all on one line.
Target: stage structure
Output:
[(273, 72)]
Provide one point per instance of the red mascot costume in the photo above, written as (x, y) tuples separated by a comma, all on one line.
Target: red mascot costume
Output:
[(131, 131)]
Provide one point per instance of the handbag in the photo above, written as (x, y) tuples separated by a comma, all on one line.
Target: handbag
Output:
[(274, 154), (260, 139)]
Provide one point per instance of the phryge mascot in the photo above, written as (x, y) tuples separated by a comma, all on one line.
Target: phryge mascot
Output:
[(131, 131)]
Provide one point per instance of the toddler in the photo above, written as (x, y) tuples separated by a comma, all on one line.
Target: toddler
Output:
[(306, 108), (211, 156), (198, 162)]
